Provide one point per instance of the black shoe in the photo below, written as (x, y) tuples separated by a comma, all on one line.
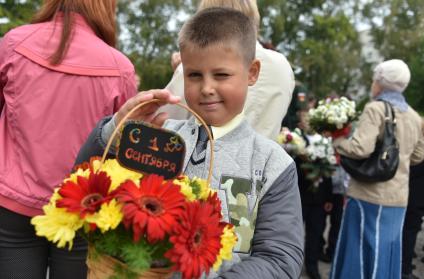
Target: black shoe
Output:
[(313, 273), (414, 255), (326, 258), (413, 266)]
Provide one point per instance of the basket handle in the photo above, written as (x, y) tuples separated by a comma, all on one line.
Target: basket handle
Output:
[(115, 132)]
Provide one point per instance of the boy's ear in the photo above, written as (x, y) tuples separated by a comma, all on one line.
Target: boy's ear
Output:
[(254, 70)]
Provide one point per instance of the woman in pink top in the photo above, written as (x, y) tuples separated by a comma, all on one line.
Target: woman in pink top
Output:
[(58, 77)]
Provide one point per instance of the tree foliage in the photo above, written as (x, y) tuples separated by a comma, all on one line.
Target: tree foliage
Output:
[(397, 32), (320, 40), (15, 13), (149, 31), (319, 37), (329, 56)]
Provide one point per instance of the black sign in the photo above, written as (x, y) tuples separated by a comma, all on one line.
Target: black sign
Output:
[(146, 149)]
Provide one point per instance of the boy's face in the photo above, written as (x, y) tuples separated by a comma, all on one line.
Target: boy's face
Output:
[(216, 80)]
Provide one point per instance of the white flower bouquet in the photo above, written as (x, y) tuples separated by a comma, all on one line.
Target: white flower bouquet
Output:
[(292, 141), (321, 159), (332, 114)]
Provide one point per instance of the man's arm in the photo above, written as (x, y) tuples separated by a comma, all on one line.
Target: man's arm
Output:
[(277, 247)]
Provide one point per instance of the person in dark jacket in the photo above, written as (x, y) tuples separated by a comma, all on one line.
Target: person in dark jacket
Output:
[(413, 218), (339, 182), (316, 203)]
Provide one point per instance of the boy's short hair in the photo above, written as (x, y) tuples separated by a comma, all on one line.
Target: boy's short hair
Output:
[(247, 7), (220, 26)]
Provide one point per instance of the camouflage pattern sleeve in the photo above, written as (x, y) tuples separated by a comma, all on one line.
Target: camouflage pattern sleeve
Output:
[(277, 245)]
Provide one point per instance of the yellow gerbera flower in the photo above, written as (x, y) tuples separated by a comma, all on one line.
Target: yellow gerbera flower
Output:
[(108, 217), (203, 190), (80, 172), (57, 225), (185, 187), (228, 241), (117, 173)]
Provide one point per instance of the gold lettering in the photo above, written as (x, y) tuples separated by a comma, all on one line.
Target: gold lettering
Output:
[(154, 144), (133, 135)]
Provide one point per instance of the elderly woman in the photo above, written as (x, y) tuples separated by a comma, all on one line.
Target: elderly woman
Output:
[(369, 244)]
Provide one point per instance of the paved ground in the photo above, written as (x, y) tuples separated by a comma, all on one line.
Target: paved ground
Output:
[(419, 271)]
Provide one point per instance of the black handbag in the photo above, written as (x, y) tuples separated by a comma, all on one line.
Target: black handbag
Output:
[(384, 161)]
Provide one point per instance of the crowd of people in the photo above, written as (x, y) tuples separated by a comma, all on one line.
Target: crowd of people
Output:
[(375, 213), (65, 87)]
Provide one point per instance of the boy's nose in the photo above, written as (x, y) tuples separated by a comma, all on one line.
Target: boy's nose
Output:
[(208, 88)]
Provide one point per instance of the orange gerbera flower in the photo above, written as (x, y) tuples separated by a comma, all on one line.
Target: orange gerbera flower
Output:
[(87, 165), (197, 240), (87, 195), (152, 208)]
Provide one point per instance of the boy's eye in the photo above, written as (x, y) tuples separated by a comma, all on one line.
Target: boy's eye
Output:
[(194, 75), (222, 75)]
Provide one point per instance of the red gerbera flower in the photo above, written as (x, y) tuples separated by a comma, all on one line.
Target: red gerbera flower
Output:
[(153, 207), (215, 202), (85, 196), (197, 240)]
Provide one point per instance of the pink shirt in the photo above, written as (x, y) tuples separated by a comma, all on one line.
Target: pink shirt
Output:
[(48, 111)]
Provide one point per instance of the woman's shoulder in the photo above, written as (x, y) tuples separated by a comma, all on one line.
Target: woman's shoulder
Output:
[(375, 105), (123, 61), (18, 34), (414, 114), (374, 110)]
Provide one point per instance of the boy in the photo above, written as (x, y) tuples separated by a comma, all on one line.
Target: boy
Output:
[(267, 101), (255, 179)]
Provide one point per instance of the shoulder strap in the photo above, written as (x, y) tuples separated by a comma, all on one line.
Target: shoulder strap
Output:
[(392, 116)]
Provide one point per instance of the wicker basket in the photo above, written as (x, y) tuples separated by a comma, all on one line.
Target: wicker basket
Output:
[(104, 267)]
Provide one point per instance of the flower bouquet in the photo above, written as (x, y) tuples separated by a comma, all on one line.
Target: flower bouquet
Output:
[(292, 141), (321, 159), (138, 224), (142, 224), (332, 114)]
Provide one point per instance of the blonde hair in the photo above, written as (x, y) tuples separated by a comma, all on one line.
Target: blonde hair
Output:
[(247, 7), (99, 14), (220, 26)]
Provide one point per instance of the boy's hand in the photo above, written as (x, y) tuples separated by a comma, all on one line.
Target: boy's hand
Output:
[(147, 113)]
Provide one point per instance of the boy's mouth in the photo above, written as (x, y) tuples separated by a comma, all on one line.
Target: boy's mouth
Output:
[(210, 105)]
